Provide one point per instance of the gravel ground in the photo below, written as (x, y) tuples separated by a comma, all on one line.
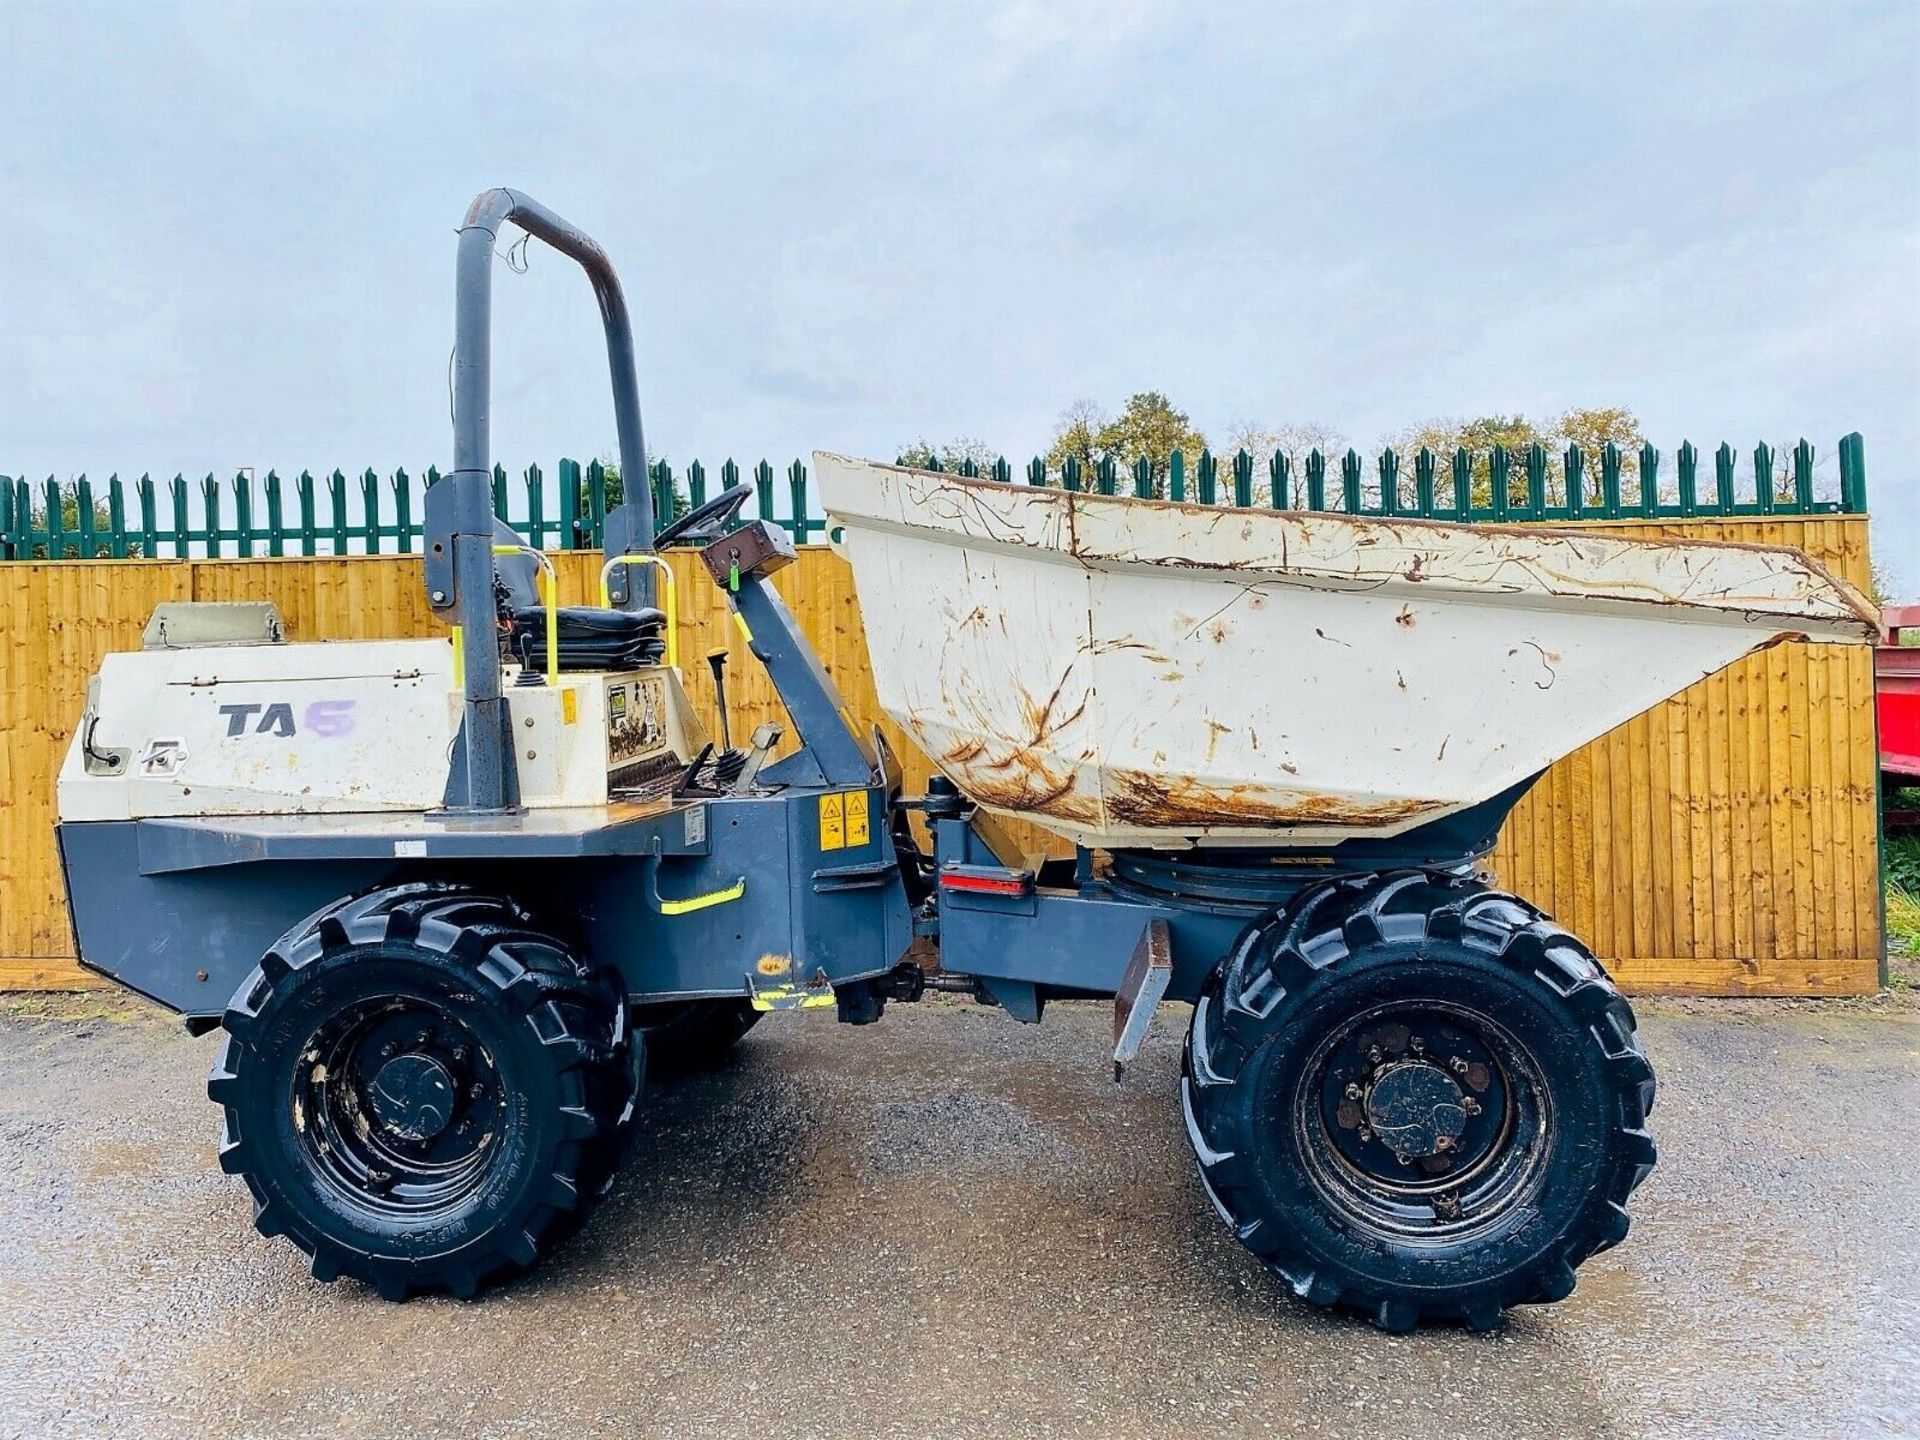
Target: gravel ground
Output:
[(949, 1224)]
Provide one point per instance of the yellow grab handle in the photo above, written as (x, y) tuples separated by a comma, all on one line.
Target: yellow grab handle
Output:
[(672, 612)]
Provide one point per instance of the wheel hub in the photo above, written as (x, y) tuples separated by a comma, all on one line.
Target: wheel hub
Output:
[(413, 1097), (1415, 1108)]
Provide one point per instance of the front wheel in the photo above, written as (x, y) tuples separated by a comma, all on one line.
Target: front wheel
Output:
[(1417, 1098), (422, 1090)]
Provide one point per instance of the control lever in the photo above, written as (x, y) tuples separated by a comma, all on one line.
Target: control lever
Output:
[(765, 737), (717, 662)]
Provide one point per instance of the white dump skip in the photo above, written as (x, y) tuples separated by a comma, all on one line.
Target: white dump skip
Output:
[(1140, 673)]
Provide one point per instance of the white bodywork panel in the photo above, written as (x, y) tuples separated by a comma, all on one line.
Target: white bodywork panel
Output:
[(346, 726), (1140, 673)]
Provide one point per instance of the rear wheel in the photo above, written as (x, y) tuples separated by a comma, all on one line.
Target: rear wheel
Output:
[(424, 1091), (685, 1035), (1417, 1098)]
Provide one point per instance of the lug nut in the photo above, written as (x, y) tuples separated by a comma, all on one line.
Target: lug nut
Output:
[(1443, 1142), (1470, 1105), (1353, 1092), (1457, 1065)]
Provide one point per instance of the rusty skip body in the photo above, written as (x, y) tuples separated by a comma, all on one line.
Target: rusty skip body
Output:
[(1139, 673)]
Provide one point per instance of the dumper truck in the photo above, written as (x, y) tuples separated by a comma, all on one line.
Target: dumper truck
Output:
[(447, 903)]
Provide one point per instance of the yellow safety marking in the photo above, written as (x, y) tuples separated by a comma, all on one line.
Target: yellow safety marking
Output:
[(741, 621), (459, 660), (778, 997), (669, 607), (856, 818), (773, 964), (569, 706), (833, 821), (701, 902)]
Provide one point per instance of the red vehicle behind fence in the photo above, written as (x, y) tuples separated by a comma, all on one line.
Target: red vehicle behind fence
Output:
[(1896, 687)]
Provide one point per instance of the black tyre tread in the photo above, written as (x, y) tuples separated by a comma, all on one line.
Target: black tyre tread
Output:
[(576, 1009), (1320, 929)]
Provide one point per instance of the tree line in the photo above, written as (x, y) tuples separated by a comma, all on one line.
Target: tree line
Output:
[(1151, 427)]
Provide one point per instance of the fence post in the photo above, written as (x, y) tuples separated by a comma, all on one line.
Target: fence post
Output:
[(243, 515), (696, 484), (178, 495), (1105, 478), (1280, 480), (1497, 464), (1803, 476), (337, 510), (1723, 466), (1316, 480), (597, 501), (1575, 475), (797, 482), (276, 516), (116, 516), (83, 515), (1070, 473), (1687, 463), (1423, 482), (763, 490), (1649, 480), (1243, 479), (403, 510), (567, 474), (1143, 478), (1389, 467), (149, 524), (1536, 464), (1763, 477), (1853, 474), (370, 510), (1350, 481), (210, 517), (536, 508), (1610, 480), (1037, 472), (1176, 476)]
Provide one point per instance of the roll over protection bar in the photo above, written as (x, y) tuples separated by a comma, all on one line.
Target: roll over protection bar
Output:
[(459, 509)]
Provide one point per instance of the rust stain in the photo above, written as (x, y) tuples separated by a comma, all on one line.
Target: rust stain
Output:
[(1169, 802)]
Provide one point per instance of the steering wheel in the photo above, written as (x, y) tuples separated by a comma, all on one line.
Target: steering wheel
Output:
[(702, 519)]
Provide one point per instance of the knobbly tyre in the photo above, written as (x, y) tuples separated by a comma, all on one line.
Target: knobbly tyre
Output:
[(447, 904)]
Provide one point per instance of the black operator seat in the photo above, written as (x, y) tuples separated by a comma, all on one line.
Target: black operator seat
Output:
[(591, 638)]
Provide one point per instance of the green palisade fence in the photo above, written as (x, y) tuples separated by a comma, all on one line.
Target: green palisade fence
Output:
[(254, 516)]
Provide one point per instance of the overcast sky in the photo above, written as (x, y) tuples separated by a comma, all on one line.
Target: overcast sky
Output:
[(230, 238)]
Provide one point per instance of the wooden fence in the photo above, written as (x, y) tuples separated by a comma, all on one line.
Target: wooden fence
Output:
[(1723, 843)]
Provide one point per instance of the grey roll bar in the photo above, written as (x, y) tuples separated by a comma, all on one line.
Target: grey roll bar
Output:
[(459, 509)]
